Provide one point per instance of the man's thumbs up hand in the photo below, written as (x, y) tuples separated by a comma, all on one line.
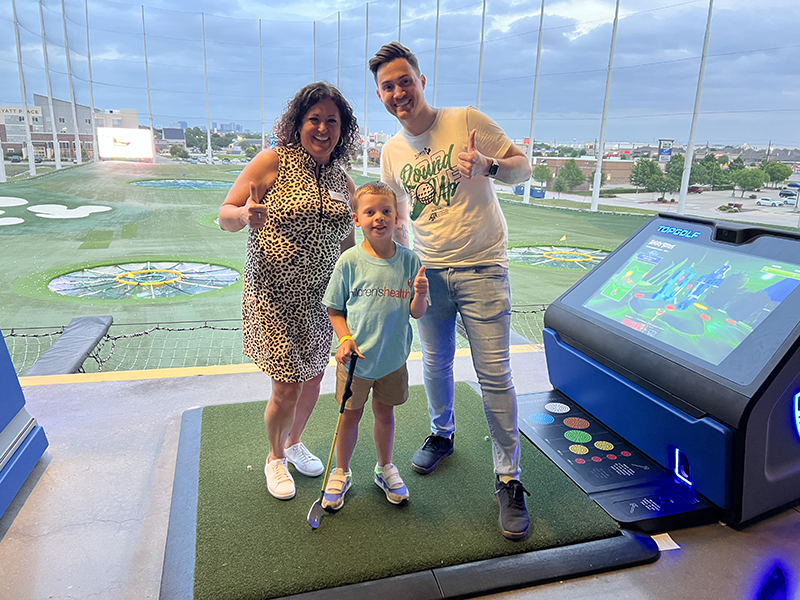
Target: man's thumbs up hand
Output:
[(472, 163)]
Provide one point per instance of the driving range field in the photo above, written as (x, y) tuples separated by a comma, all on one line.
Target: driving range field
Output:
[(127, 247)]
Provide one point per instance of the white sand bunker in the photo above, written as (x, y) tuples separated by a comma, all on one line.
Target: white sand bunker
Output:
[(10, 221), (59, 211), (6, 201)]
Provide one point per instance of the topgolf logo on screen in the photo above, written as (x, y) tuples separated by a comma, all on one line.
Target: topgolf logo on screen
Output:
[(678, 232)]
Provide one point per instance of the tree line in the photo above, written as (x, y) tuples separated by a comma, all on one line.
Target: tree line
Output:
[(716, 172), (708, 171)]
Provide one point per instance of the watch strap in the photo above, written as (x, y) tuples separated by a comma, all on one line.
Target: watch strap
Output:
[(495, 166)]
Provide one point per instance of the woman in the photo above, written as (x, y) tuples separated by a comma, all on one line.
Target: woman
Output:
[(296, 201)]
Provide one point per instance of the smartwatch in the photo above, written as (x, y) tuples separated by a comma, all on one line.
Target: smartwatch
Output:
[(494, 167)]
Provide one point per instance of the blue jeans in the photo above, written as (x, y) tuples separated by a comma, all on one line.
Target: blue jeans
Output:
[(483, 298)]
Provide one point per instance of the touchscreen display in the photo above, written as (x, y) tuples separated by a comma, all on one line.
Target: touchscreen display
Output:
[(703, 301)]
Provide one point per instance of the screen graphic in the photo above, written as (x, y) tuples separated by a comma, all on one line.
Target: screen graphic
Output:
[(703, 301), (117, 142)]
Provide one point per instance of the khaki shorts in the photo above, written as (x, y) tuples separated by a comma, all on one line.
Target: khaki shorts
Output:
[(391, 389)]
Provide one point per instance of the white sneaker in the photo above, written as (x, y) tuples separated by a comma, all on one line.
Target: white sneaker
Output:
[(391, 484), (305, 462), (279, 481)]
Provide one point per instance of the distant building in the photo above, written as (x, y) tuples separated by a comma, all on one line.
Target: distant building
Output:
[(171, 137), (14, 139), (125, 117), (619, 171)]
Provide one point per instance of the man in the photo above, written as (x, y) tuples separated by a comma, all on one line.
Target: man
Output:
[(441, 166)]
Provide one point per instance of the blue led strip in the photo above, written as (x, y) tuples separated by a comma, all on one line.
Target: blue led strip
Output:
[(797, 413), (677, 468)]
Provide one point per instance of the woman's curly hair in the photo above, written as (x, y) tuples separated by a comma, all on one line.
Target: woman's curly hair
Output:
[(288, 125)]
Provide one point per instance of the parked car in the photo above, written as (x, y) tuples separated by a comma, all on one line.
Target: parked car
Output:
[(790, 201), (788, 193), (37, 159), (16, 159), (793, 184), (695, 189), (769, 202)]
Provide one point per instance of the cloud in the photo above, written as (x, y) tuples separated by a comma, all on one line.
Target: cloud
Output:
[(748, 92)]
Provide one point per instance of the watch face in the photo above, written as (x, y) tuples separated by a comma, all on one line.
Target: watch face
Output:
[(494, 168)]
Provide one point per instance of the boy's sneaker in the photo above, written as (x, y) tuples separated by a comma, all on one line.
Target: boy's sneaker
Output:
[(279, 481), (514, 518), (391, 484), (338, 484), (435, 448), (305, 462)]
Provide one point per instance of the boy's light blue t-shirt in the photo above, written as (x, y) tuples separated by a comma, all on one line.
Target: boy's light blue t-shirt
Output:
[(375, 295)]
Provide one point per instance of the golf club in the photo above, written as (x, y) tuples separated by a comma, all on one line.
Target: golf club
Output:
[(316, 512)]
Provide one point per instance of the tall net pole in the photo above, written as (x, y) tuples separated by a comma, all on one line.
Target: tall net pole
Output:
[(209, 153), (95, 156), (56, 147), (400, 21), (78, 157), (436, 54), (261, 73), (400, 40), (598, 171), (687, 163), (366, 88), (527, 196), (26, 118), (339, 50), (314, 45), (147, 81), (480, 56)]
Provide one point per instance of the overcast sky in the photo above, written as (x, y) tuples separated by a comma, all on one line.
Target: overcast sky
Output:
[(751, 90)]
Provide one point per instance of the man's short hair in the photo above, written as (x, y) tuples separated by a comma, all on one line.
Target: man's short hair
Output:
[(389, 52), (374, 188)]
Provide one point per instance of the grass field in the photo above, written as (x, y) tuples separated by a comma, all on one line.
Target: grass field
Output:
[(157, 224)]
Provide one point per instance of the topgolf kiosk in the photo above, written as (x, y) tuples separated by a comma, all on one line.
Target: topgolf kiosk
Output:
[(22, 439), (676, 372)]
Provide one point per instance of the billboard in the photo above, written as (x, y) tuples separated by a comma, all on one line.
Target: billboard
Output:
[(118, 142), (664, 150)]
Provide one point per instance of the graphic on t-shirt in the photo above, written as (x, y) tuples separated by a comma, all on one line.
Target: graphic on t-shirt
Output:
[(431, 179)]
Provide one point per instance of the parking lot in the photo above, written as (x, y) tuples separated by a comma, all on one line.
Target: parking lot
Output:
[(704, 205)]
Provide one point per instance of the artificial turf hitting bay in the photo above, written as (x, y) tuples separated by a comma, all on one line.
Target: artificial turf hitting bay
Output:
[(250, 545)]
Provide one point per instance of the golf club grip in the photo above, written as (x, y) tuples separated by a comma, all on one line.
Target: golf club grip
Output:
[(347, 391)]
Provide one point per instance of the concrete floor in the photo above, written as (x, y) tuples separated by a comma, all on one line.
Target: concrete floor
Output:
[(91, 521)]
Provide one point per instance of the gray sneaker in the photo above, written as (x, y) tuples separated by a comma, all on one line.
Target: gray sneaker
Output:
[(434, 449), (514, 520)]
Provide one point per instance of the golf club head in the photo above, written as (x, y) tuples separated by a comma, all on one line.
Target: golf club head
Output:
[(315, 514)]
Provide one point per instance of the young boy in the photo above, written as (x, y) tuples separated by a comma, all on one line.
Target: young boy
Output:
[(374, 288)]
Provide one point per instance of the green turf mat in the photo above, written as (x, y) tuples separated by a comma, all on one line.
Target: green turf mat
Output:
[(129, 231), (250, 545), (96, 240)]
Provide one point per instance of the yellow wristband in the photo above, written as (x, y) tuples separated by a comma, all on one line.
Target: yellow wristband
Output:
[(344, 339)]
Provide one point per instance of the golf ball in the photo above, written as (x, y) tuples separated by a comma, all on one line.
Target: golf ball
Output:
[(486, 439)]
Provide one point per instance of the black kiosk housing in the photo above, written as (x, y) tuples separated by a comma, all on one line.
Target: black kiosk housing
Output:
[(685, 341)]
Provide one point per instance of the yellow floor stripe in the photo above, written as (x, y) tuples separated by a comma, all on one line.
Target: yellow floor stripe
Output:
[(195, 371)]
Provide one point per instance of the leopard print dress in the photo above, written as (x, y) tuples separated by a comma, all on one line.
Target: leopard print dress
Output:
[(289, 262)]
